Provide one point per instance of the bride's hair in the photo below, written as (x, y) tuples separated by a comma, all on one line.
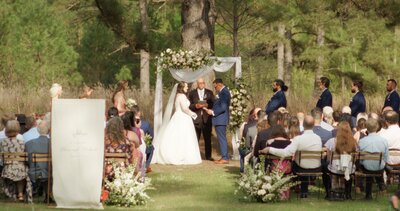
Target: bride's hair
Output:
[(180, 88)]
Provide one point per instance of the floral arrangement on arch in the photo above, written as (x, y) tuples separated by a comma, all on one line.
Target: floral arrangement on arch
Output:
[(238, 107), (127, 189), (255, 184), (184, 59)]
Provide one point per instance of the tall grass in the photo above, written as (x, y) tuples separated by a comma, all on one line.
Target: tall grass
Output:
[(20, 99)]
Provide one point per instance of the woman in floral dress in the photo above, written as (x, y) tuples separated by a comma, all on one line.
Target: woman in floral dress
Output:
[(15, 173)]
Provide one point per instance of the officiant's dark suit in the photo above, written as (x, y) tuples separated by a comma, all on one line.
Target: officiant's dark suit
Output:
[(203, 122)]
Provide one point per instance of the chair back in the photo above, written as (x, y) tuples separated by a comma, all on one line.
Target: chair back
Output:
[(119, 157), (40, 157), (9, 157), (361, 156), (310, 155)]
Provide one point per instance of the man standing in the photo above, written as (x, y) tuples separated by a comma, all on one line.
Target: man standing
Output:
[(326, 97), (392, 99), (357, 103), (202, 98), (278, 99), (220, 119)]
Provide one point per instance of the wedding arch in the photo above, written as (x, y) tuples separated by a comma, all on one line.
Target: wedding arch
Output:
[(222, 64)]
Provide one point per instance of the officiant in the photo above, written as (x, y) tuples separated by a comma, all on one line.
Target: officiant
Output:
[(202, 98)]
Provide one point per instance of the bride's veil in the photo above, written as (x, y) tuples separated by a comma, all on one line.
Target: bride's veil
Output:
[(167, 115)]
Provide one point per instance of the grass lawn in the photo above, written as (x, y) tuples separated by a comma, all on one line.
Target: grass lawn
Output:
[(211, 187)]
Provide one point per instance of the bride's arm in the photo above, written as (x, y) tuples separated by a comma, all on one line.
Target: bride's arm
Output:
[(186, 108)]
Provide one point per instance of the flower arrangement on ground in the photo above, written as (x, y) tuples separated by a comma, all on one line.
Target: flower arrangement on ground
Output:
[(238, 107), (257, 185), (127, 189), (184, 59)]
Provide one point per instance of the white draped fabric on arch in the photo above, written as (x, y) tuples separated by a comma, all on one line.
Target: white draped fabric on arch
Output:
[(223, 64)]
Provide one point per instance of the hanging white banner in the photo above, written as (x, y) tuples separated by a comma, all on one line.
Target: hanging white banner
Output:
[(77, 144)]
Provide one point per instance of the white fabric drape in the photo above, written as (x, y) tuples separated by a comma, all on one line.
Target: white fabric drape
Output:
[(77, 152), (223, 64)]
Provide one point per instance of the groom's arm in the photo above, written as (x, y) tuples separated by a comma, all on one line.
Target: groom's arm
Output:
[(222, 104)]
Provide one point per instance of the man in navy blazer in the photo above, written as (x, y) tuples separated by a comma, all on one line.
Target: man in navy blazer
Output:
[(326, 97), (392, 99), (220, 119), (278, 99), (357, 103)]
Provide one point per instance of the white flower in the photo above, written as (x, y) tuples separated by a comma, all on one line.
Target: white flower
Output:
[(261, 192), (268, 186), (168, 50)]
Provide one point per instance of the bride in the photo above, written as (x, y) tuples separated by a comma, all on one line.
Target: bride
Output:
[(177, 141)]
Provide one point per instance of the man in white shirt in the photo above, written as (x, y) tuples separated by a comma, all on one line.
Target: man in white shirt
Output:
[(32, 132), (308, 141), (392, 134)]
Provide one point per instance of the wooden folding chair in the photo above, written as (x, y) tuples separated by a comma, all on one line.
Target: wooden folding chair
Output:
[(9, 157), (335, 156), (310, 155), (364, 156), (118, 157), (43, 158), (394, 168)]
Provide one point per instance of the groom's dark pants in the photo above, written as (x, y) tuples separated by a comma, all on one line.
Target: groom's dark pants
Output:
[(205, 128), (223, 143)]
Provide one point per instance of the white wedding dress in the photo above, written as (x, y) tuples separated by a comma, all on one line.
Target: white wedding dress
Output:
[(178, 143)]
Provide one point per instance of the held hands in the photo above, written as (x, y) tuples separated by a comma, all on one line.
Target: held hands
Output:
[(209, 111), (264, 151), (199, 105)]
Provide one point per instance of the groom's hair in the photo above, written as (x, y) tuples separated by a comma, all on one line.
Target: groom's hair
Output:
[(218, 81), (280, 83)]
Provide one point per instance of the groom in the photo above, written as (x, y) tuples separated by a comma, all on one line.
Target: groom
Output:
[(220, 113)]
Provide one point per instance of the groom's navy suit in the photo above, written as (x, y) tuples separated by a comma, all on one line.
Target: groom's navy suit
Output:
[(221, 119)]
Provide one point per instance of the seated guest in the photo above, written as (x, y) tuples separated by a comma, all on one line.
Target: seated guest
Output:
[(300, 116), (344, 145), (21, 118), (38, 172), (264, 135), (133, 138), (327, 118), (248, 133), (32, 132), (361, 129), (324, 134), (4, 120), (147, 129), (373, 143), (116, 142), (308, 141), (15, 173), (112, 112), (392, 134), (279, 139), (336, 118), (294, 127)]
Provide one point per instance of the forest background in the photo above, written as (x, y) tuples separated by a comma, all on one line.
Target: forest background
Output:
[(98, 42)]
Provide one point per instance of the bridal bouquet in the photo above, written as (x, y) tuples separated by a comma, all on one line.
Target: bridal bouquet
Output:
[(130, 103), (238, 107), (127, 189), (256, 185), (184, 60), (148, 140)]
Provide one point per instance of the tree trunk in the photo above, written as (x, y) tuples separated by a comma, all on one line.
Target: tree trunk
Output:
[(235, 30), (320, 59), (144, 53), (281, 51), (198, 21), (288, 59)]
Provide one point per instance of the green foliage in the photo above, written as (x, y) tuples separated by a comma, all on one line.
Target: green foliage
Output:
[(124, 74), (34, 48)]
